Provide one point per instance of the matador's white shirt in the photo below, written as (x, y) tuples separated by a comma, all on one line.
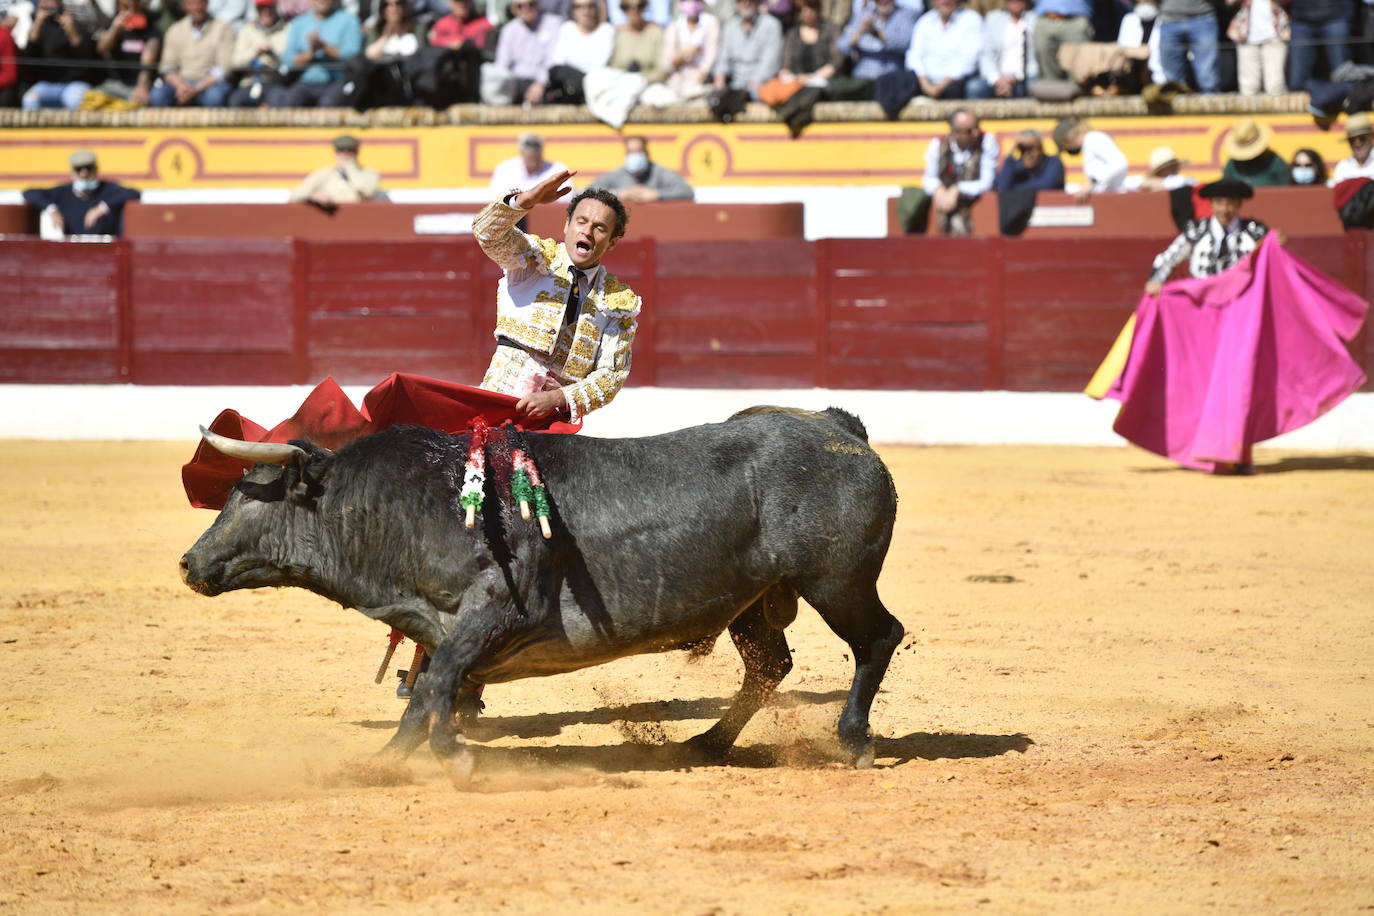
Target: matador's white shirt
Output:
[(588, 362)]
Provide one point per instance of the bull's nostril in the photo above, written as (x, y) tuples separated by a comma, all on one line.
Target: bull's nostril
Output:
[(185, 568)]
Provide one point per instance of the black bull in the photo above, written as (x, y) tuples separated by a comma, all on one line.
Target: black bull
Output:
[(659, 543)]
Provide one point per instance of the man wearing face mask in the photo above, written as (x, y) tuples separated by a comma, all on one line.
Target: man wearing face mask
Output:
[(86, 206), (641, 181)]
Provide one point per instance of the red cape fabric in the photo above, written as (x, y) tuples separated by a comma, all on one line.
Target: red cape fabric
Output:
[(329, 418), (1219, 363)]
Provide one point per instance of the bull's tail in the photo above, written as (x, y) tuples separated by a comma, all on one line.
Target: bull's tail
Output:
[(841, 418)]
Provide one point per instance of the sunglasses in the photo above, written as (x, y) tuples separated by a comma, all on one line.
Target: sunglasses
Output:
[(83, 169), (1028, 149), (631, 7)]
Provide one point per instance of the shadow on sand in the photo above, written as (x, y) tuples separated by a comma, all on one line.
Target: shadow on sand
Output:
[(659, 755), (1352, 462)]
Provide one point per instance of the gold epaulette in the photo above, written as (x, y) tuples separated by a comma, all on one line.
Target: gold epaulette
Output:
[(548, 250), (617, 296)]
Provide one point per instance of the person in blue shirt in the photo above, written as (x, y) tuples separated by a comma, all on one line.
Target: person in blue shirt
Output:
[(877, 38), (87, 205), (319, 43), (1028, 168)]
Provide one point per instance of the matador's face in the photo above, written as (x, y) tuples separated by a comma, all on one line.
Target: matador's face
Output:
[(587, 235)]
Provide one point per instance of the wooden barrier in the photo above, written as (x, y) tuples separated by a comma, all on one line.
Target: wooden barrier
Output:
[(1297, 211), (901, 313)]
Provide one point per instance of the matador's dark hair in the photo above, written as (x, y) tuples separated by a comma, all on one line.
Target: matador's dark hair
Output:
[(622, 216)]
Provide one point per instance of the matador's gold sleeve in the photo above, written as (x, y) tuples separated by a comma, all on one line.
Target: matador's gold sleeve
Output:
[(612, 366), (495, 229)]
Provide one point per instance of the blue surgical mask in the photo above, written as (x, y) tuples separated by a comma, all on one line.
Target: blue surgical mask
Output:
[(85, 185), (637, 162), (1304, 174)]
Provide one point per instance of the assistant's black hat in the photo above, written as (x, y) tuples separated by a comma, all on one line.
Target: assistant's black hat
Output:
[(1228, 187)]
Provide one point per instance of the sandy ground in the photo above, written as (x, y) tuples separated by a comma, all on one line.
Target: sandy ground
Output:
[(1167, 709)]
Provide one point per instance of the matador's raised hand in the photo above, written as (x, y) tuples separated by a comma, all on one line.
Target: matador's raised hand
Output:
[(546, 192)]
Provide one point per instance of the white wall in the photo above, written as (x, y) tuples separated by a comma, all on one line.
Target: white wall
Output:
[(892, 417)]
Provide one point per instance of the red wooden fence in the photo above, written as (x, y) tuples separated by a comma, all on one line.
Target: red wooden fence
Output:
[(897, 313)]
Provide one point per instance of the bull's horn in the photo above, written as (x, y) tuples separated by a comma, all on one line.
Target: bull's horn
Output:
[(270, 452)]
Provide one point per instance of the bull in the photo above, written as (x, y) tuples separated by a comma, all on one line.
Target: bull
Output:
[(659, 543)]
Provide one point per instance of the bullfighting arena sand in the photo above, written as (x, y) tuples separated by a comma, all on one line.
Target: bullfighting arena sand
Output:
[(1125, 688)]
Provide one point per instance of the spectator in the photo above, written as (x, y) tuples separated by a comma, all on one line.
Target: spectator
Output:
[(233, 13), (290, 9), (524, 53), (196, 56), (691, 44), (960, 168), (1104, 165), (344, 182), (1261, 31), (584, 44), (877, 39), (394, 34), (1140, 28), (65, 49), (87, 205), (16, 16), (639, 43), (131, 46), (1318, 26), (461, 26), (259, 51), (1359, 133), (1164, 173), (1006, 64), (1307, 168), (1028, 168), (1189, 26), (522, 172), (945, 48), (656, 12), (1251, 159), (1057, 22), (319, 43), (641, 180), (9, 69), (750, 49)]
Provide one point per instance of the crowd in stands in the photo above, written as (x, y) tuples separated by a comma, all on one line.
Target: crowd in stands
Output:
[(613, 54)]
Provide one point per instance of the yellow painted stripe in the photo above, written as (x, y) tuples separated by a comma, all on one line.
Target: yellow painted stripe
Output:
[(708, 154)]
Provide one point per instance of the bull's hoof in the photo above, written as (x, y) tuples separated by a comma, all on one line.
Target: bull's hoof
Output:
[(863, 760), (458, 768), (705, 749)]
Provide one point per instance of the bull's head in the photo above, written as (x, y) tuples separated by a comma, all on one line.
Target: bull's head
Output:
[(258, 537)]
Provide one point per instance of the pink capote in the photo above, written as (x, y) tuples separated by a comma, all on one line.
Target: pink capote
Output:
[(1220, 363)]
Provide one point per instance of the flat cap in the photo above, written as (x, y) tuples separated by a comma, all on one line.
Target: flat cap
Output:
[(346, 142), (82, 159)]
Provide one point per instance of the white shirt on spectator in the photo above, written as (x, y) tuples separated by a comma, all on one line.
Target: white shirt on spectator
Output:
[(1261, 23), (1349, 168), (1104, 165), (1132, 35), (510, 174), (582, 51), (1014, 43), (973, 187), (946, 51)]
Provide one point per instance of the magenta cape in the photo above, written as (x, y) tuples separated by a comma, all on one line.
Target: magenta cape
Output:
[(1220, 363), (328, 417)]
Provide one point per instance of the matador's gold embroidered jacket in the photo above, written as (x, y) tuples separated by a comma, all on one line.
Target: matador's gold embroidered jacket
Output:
[(591, 364)]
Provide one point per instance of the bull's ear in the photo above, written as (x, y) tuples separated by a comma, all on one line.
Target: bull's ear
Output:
[(308, 472)]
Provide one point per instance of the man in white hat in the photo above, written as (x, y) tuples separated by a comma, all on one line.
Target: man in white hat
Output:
[(85, 206), (1165, 172), (1359, 133), (1252, 161)]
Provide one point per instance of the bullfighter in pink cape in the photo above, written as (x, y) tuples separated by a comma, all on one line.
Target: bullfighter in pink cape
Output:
[(1252, 346)]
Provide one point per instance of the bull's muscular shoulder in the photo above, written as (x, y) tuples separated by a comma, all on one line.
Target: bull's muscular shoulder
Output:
[(618, 296)]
